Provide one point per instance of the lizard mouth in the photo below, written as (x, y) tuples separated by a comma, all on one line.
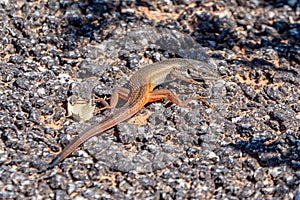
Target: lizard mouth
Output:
[(200, 80), (211, 78), (203, 79)]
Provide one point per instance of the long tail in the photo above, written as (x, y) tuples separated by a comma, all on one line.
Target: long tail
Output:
[(122, 114)]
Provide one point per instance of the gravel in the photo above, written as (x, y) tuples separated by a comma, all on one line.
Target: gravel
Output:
[(246, 146)]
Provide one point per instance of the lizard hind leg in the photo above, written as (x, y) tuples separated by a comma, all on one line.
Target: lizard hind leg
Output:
[(118, 93), (165, 93), (198, 98)]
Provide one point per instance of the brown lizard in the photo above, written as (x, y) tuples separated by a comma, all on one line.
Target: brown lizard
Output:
[(141, 91)]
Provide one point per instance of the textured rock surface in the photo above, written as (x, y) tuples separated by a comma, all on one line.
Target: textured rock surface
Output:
[(245, 147)]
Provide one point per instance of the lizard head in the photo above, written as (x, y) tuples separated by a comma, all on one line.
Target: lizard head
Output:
[(202, 70)]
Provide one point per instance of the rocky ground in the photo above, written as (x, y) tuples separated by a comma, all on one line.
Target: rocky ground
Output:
[(55, 55)]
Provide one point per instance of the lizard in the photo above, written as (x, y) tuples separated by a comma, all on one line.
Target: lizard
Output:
[(141, 91)]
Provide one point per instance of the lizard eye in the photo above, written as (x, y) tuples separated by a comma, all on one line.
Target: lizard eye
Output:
[(189, 71)]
